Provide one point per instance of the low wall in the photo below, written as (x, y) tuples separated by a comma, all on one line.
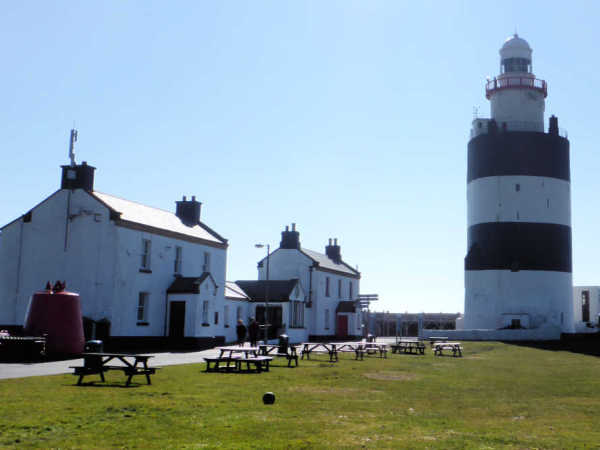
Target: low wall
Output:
[(534, 334)]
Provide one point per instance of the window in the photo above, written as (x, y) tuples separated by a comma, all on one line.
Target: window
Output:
[(146, 248), (297, 314), (238, 314), (206, 265), (178, 255), (205, 313), (517, 187), (326, 286), (327, 319), (585, 306), (226, 316), (339, 288), (142, 308), (216, 317), (350, 293)]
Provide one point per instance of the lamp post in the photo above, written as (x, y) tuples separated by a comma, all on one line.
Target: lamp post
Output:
[(266, 326)]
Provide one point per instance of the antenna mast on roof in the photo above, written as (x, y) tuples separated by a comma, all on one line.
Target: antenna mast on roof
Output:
[(72, 146)]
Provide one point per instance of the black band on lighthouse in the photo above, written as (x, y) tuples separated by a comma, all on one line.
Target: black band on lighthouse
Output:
[(519, 246), (518, 153)]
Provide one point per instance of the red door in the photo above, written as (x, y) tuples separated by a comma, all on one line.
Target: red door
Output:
[(342, 326)]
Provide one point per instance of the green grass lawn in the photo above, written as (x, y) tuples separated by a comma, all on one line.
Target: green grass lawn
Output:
[(496, 396)]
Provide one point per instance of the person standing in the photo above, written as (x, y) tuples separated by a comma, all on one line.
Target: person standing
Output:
[(253, 329), (241, 332)]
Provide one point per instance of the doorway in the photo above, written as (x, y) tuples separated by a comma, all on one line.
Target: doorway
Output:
[(275, 322), (342, 326), (177, 320)]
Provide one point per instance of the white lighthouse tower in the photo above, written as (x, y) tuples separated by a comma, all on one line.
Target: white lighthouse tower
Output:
[(518, 270)]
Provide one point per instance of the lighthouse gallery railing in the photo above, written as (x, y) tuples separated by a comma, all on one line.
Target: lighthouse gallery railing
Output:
[(497, 84)]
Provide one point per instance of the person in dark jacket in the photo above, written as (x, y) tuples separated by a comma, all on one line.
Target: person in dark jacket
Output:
[(241, 332), (253, 332)]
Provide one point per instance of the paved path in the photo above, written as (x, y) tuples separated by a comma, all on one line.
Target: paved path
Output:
[(21, 370)]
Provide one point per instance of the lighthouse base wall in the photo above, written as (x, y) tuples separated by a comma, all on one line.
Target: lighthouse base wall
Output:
[(527, 299), (537, 334)]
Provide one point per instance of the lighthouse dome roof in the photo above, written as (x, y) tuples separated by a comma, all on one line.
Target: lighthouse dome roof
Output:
[(515, 47)]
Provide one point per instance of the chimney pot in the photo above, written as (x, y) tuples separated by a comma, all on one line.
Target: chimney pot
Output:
[(184, 199), (335, 241), (287, 228), (293, 227), (329, 241), (193, 198)]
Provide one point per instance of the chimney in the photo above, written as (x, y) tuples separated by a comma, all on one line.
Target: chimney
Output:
[(188, 211), (290, 239), (80, 176), (553, 128), (333, 252)]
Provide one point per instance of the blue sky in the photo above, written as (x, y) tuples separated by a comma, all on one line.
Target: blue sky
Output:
[(349, 118)]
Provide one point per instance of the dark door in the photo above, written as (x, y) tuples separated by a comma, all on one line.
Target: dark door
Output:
[(177, 319), (275, 320), (342, 326)]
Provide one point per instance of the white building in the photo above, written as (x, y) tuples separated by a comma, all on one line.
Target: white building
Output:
[(518, 269), (330, 286), (586, 308), (126, 260)]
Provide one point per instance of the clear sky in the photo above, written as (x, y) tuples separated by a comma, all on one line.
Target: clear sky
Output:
[(349, 118)]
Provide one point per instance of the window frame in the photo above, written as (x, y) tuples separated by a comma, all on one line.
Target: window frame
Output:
[(146, 255), (142, 308), (178, 258)]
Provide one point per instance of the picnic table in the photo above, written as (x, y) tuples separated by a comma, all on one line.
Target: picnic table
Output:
[(411, 346), (130, 364), (373, 348), (357, 347), (275, 350), (234, 356), (432, 340), (455, 347), (319, 347)]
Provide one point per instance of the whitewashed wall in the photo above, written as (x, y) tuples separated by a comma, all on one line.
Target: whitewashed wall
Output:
[(101, 262), (580, 326)]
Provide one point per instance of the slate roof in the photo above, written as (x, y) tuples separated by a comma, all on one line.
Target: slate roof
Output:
[(234, 292), (188, 285), (279, 290), (346, 307), (328, 264), (156, 220)]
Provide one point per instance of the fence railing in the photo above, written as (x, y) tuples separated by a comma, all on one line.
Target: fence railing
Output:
[(498, 84)]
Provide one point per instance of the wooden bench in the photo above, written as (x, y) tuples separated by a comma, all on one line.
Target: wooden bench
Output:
[(290, 357), (455, 347), (129, 371), (416, 347), (433, 340), (216, 364), (260, 363)]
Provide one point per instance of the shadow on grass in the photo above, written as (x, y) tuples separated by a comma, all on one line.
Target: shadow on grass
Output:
[(100, 384), (586, 344)]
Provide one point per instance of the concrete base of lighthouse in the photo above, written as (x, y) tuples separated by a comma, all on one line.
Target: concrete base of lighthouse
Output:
[(497, 299)]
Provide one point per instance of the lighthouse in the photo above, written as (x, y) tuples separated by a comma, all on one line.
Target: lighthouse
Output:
[(518, 269)]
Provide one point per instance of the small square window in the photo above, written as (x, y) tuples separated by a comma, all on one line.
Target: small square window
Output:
[(517, 187)]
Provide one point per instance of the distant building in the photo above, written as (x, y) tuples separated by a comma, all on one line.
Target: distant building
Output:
[(330, 287), (586, 309)]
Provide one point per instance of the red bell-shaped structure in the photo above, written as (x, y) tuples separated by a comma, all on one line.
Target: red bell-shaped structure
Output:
[(58, 315)]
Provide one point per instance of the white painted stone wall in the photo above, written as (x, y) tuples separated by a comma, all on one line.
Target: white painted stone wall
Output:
[(580, 326), (546, 297), (288, 263), (101, 263), (519, 199), (521, 109)]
